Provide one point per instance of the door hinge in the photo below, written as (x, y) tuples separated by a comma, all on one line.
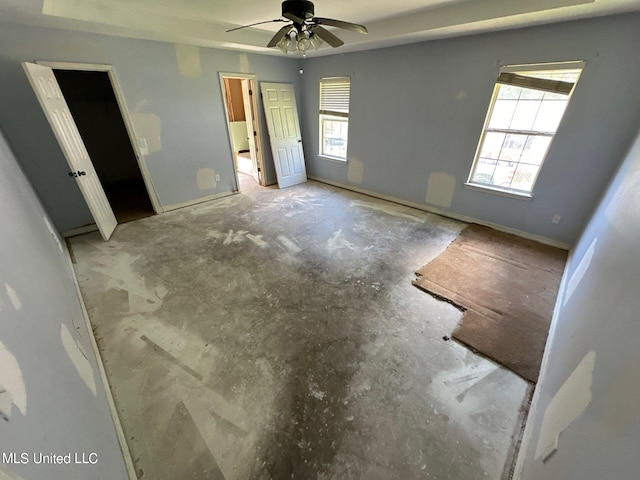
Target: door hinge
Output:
[(77, 174), (255, 133), (250, 92)]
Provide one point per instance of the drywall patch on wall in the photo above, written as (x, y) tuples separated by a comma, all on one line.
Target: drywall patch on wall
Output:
[(148, 127), (206, 178), (566, 406), (355, 172), (78, 358), (13, 296), (243, 63), (52, 232), (188, 61), (579, 272), (440, 188), (11, 383)]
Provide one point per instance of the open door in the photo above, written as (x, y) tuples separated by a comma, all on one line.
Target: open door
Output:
[(284, 131), (247, 92), (46, 88)]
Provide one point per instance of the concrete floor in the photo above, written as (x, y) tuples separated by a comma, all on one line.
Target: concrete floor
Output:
[(275, 334)]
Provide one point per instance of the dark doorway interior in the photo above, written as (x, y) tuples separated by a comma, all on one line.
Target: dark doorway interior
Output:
[(96, 112)]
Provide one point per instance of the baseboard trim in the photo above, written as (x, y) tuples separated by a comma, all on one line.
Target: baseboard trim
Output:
[(197, 201), (445, 213), (527, 435), (122, 439), (80, 230)]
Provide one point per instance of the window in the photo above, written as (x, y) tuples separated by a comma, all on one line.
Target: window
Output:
[(527, 106), (334, 117)]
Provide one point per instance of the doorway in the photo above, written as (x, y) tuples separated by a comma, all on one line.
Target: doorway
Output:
[(238, 92), (95, 110)]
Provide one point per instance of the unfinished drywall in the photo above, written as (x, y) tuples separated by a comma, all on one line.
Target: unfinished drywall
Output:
[(597, 415), (51, 398), (419, 109), (440, 188), (189, 63), (178, 115)]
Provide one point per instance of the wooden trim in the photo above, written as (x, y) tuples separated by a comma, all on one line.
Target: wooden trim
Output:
[(527, 434), (260, 159), (445, 213), (334, 114), (117, 424), (544, 84), (124, 112), (80, 230), (197, 201)]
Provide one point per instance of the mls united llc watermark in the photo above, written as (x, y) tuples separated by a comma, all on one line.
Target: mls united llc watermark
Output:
[(36, 458)]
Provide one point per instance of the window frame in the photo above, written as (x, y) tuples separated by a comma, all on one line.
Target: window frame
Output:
[(513, 69), (340, 114)]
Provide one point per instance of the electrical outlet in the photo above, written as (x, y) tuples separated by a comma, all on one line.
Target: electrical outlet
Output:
[(556, 219), (218, 179), (144, 148)]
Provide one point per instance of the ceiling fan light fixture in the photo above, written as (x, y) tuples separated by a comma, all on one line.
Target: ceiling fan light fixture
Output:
[(304, 30), (304, 41), (284, 43), (316, 41)]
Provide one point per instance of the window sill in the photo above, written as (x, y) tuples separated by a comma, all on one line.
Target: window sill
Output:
[(498, 191), (335, 159)]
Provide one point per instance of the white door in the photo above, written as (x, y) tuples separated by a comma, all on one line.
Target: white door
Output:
[(284, 131), (46, 88), (247, 87)]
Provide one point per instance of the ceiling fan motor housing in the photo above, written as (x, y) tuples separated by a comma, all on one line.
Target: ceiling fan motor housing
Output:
[(300, 8)]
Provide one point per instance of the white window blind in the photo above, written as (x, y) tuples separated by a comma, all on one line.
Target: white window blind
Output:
[(334, 96)]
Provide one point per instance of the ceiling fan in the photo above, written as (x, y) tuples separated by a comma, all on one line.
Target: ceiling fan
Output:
[(305, 30)]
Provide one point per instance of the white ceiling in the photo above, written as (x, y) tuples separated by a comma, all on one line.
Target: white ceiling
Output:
[(390, 22)]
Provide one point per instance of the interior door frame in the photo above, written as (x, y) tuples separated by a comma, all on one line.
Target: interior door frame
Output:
[(124, 112), (258, 136)]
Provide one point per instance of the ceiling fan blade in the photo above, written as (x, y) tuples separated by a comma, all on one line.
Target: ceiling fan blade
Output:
[(258, 23), (327, 36), (279, 35), (293, 17), (354, 27)]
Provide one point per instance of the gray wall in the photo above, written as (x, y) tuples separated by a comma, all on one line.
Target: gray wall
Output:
[(51, 408), (597, 319), (419, 109), (172, 92)]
